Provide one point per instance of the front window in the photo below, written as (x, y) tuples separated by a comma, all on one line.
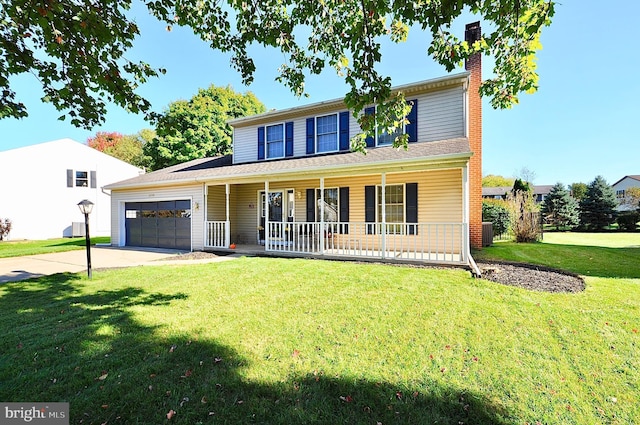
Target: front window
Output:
[(394, 207), (327, 131), (275, 141), (82, 179), (385, 138), (330, 205)]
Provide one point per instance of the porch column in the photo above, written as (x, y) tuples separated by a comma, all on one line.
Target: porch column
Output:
[(206, 231), (227, 224), (383, 191), (266, 215), (465, 214), (321, 215)]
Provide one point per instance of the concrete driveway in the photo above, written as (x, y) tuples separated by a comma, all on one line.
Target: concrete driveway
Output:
[(20, 268)]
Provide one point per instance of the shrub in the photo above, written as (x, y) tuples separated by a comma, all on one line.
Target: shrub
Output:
[(5, 228), (497, 212), (628, 221), (525, 217)]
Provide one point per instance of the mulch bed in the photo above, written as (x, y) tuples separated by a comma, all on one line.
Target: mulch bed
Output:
[(535, 278)]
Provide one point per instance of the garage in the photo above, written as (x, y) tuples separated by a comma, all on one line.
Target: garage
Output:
[(162, 224)]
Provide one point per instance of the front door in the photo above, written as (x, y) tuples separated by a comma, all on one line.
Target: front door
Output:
[(281, 210)]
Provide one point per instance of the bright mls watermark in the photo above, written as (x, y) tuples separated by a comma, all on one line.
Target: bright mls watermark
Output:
[(36, 413)]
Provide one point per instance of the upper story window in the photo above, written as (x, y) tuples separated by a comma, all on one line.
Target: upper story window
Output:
[(82, 179), (620, 193), (76, 178), (384, 138), (327, 133), (411, 129), (275, 141)]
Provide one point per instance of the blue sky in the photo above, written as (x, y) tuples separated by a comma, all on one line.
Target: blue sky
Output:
[(580, 124)]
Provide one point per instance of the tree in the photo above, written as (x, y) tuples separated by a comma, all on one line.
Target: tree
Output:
[(559, 208), (5, 228), (527, 175), (578, 190), (525, 216), (492, 180), (520, 186), (597, 209), (76, 49), (126, 148), (497, 212), (198, 128)]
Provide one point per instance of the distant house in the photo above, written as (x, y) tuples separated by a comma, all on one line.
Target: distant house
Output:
[(621, 187), (42, 185), (539, 192)]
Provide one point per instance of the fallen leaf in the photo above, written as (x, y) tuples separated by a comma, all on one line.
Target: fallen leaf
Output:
[(173, 348), (635, 331), (443, 370), (150, 387), (171, 414), (475, 359), (103, 376), (346, 399), (399, 395), (295, 354), (448, 347), (105, 406), (203, 400), (217, 359)]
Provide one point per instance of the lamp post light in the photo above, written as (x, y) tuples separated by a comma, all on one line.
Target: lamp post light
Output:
[(85, 208)]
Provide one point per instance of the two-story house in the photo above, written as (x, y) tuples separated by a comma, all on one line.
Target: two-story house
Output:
[(292, 186)]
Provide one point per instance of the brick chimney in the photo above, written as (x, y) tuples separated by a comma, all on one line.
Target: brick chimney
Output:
[(474, 66)]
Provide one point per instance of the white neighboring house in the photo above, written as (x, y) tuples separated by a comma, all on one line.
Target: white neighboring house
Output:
[(42, 185), (621, 187)]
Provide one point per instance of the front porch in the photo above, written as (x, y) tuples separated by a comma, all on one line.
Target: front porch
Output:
[(445, 243)]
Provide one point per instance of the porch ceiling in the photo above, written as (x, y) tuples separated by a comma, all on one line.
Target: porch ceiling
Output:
[(419, 156)]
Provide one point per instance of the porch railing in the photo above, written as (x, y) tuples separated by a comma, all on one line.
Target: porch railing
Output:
[(436, 242), (217, 234)]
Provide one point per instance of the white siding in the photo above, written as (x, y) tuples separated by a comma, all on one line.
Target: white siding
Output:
[(440, 117), (194, 192), (35, 196)]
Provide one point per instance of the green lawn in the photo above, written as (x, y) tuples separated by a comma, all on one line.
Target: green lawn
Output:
[(589, 254), (280, 341), (21, 248)]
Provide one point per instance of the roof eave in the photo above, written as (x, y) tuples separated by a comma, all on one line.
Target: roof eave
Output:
[(390, 166)]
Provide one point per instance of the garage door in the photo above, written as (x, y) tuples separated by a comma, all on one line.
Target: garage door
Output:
[(162, 224)]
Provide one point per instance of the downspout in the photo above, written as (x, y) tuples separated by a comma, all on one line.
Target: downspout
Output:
[(475, 270)]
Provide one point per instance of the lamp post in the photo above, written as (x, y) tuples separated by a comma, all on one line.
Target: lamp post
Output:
[(85, 208)]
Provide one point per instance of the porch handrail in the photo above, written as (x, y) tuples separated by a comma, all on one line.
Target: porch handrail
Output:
[(217, 234), (431, 242)]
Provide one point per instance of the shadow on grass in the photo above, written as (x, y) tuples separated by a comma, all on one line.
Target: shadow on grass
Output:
[(584, 260), (80, 241), (62, 344)]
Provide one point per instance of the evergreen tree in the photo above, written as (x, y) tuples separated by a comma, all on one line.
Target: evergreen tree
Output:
[(559, 208), (597, 209), (520, 186)]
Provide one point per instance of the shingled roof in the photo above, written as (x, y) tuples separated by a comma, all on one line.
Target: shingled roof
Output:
[(222, 169)]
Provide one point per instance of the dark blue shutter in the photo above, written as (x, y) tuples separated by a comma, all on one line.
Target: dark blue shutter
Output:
[(311, 205), (412, 127), (311, 139), (344, 131), (260, 142), (370, 208), (411, 212), (288, 139), (370, 140), (344, 210)]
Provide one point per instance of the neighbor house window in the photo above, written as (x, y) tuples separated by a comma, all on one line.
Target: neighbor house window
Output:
[(275, 141), (620, 194), (327, 133), (82, 179), (394, 206)]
